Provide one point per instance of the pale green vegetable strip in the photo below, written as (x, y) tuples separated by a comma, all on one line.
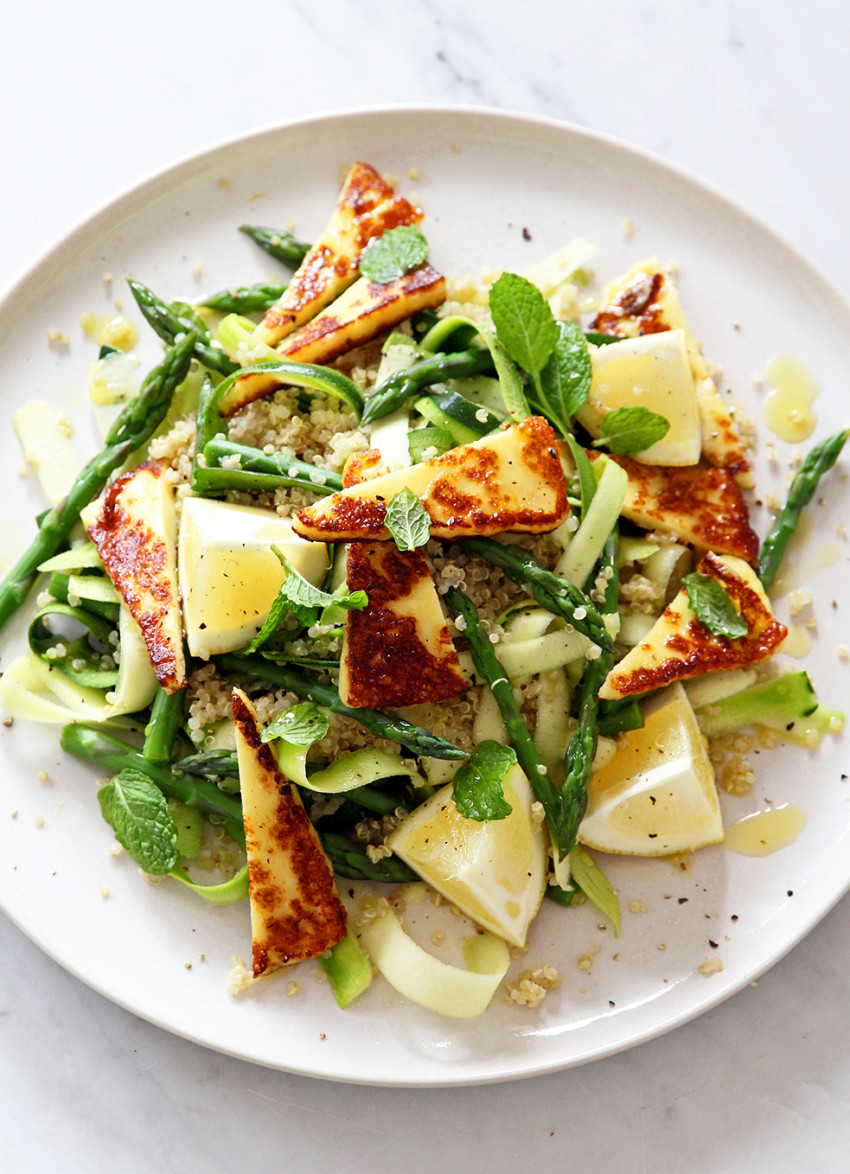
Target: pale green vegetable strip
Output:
[(47, 448), (595, 885), (30, 689), (136, 684), (226, 893), (96, 587), (524, 658), (422, 978), (580, 557), (345, 774), (348, 969), (84, 557)]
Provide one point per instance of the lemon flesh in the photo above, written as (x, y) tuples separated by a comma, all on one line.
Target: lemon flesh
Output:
[(657, 795), (228, 573), (494, 871), (652, 371)]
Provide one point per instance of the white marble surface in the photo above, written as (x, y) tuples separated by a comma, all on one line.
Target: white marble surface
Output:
[(751, 99)]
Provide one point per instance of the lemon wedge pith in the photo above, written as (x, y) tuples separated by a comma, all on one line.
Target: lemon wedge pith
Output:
[(657, 795), (494, 871)]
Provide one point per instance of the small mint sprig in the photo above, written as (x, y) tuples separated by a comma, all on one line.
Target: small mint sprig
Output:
[(711, 604), (407, 520), (138, 813), (477, 787), (391, 255), (299, 597), (631, 430), (301, 725)]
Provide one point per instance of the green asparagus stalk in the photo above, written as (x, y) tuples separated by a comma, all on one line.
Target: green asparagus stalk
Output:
[(133, 428), (398, 388), (94, 745), (580, 754), (350, 860), (819, 461), (487, 666), (245, 299), (258, 471), (164, 722), (168, 325), (551, 591), (417, 739), (281, 245)]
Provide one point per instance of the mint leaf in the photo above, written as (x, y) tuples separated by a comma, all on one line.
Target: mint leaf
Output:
[(631, 430), (477, 785), (301, 724), (525, 325), (298, 596), (138, 813), (407, 520), (566, 378), (711, 604), (393, 254)]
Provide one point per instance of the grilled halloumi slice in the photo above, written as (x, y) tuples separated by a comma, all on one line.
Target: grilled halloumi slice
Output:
[(645, 301), (701, 505), (397, 651), (367, 207), (134, 527), (508, 481), (679, 646), (296, 912), (365, 310)]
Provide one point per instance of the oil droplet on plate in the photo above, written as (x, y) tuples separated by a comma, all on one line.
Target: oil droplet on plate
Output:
[(765, 832), (788, 408), (798, 642)]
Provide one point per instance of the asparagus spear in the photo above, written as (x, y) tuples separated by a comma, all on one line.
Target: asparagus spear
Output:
[(350, 860), (133, 428), (165, 720), (580, 754), (398, 388), (168, 325), (821, 458), (417, 739), (245, 299), (281, 245), (93, 744), (488, 667), (258, 471), (551, 591)]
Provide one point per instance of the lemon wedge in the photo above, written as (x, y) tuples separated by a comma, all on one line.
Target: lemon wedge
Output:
[(657, 795), (494, 871), (229, 574)]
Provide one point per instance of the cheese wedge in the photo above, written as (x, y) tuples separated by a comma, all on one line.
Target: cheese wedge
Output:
[(134, 527), (397, 651), (228, 573), (645, 301), (296, 912), (364, 311), (702, 506), (651, 372), (367, 207), (508, 481), (679, 646)]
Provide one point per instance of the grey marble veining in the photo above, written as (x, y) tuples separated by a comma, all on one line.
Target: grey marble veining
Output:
[(751, 99)]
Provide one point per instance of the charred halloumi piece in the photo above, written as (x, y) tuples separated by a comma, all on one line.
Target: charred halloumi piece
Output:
[(363, 466), (509, 481), (397, 651), (367, 207), (296, 912), (679, 646), (364, 311), (134, 527), (701, 505), (645, 301)]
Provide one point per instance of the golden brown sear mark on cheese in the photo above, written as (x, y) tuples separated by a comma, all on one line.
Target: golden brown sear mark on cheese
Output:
[(315, 918), (708, 498), (391, 666), (637, 300), (135, 559), (697, 650)]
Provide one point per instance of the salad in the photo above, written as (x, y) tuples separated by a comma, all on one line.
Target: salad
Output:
[(387, 577)]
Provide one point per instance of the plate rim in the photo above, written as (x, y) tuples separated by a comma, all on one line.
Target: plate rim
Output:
[(158, 182)]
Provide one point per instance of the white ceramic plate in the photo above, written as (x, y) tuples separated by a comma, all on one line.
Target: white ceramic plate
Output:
[(498, 191)]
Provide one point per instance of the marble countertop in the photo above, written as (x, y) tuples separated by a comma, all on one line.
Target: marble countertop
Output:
[(99, 96)]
